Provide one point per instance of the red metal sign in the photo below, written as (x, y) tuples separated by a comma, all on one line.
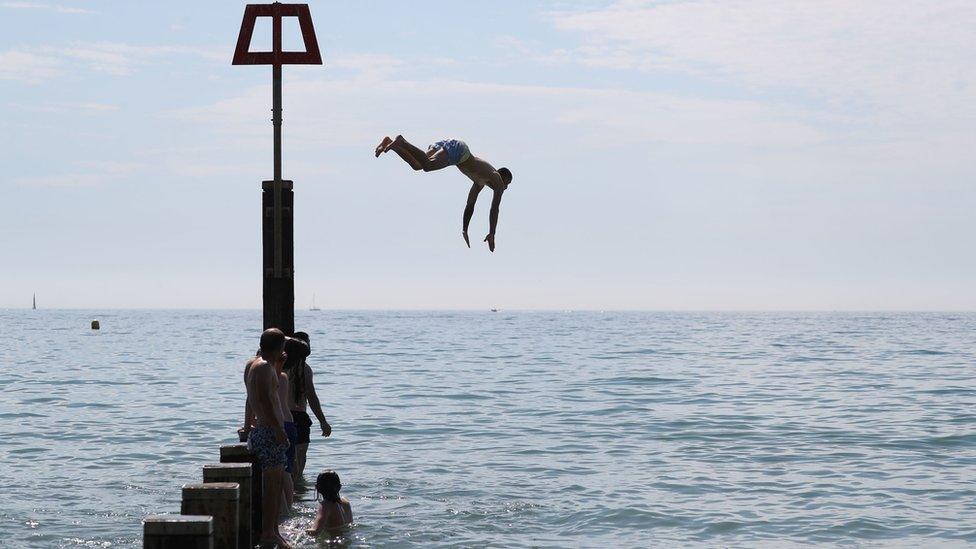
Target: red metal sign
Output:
[(311, 55)]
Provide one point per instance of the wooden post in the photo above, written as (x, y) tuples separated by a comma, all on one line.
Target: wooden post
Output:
[(219, 500), (279, 277), (241, 474), (277, 235), (177, 532), (238, 453)]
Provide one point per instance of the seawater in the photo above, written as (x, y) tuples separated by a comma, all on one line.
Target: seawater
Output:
[(514, 429)]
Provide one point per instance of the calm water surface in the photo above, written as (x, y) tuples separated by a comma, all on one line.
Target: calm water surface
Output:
[(513, 429)]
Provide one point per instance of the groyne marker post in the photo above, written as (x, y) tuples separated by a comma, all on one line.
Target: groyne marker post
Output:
[(277, 202)]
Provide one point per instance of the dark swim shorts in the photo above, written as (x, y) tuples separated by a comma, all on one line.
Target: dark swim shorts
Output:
[(261, 442), (292, 437), (304, 424)]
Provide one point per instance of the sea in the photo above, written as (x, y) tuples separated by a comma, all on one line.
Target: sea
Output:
[(512, 429)]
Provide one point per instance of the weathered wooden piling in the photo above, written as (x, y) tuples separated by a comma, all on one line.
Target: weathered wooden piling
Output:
[(241, 474), (238, 453), (220, 501), (177, 532), (277, 229)]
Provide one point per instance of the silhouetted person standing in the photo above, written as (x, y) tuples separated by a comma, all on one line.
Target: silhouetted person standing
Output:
[(267, 440), (301, 396)]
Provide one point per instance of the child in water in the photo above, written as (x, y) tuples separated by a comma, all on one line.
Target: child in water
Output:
[(334, 510)]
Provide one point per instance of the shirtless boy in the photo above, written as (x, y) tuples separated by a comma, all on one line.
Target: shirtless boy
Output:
[(268, 440), (452, 152)]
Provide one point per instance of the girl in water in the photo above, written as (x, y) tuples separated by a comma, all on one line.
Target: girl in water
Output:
[(334, 510)]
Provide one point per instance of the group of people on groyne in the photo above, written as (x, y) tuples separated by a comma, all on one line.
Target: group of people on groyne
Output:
[(277, 429)]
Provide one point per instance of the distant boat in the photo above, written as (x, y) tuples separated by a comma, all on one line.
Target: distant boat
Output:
[(494, 310), (35, 303), (313, 307)]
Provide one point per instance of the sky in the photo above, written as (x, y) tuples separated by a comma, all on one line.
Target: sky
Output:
[(667, 155)]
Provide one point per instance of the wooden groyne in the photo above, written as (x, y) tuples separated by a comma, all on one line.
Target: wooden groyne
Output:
[(222, 512)]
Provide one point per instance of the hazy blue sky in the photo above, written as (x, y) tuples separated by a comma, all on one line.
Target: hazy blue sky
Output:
[(740, 154)]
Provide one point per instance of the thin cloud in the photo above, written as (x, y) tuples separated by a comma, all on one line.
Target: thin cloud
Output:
[(906, 58), (96, 174), (29, 68), (88, 108), (114, 58), (596, 116), (45, 7)]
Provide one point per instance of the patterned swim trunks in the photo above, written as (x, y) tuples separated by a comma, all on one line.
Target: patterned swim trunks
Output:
[(457, 151), (261, 442)]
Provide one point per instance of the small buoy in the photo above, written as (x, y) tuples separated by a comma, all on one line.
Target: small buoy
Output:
[(96, 325)]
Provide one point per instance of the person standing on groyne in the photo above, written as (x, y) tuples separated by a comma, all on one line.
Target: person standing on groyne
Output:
[(267, 440), (301, 396), (287, 486)]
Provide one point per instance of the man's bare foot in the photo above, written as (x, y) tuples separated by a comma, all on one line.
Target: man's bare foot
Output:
[(398, 140), (383, 146)]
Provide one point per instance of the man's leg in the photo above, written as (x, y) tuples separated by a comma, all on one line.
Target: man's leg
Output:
[(301, 450), (417, 158), (288, 491), (271, 505)]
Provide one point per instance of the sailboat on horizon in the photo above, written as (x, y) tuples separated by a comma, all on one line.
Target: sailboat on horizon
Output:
[(34, 304), (313, 307)]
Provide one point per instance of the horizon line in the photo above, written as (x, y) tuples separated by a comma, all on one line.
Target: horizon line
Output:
[(530, 310)]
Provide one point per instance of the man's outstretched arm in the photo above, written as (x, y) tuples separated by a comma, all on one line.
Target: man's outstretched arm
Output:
[(496, 201), (469, 210)]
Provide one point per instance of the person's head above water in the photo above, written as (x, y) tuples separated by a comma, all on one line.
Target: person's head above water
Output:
[(327, 485), (272, 343), (296, 351), (506, 175)]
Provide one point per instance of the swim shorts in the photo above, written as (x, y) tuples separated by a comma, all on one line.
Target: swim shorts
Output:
[(457, 151), (304, 424), (261, 442), (292, 433)]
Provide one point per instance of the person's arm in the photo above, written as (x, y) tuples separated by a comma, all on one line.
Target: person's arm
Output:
[(314, 404), (469, 210), (248, 411), (317, 523), (245, 430), (248, 414), (496, 201)]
